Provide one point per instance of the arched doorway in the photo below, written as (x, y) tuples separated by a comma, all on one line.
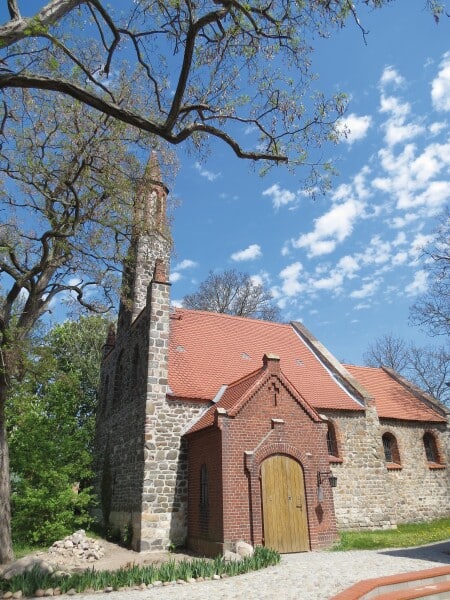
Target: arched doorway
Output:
[(285, 518)]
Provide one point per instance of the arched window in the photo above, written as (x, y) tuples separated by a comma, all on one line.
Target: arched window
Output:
[(390, 447), (203, 486), (332, 444), (431, 449)]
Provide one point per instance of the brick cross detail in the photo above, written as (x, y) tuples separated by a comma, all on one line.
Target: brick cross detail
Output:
[(276, 390)]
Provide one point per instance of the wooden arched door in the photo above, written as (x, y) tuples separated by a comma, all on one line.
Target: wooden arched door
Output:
[(285, 519)]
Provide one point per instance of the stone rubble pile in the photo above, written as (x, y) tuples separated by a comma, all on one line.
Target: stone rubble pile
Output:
[(78, 546)]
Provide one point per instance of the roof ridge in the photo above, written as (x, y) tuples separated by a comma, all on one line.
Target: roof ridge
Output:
[(361, 367), (227, 316)]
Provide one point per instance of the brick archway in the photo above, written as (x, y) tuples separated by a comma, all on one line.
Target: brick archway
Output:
[(253, 461)]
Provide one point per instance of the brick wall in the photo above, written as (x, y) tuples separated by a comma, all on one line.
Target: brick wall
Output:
[(205, 519), (262, 428)]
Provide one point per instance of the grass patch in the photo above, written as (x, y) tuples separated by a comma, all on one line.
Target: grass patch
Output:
[(23, 549), (33, 580), (409, 534)]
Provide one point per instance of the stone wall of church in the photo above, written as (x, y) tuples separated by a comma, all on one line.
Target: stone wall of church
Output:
[(373, 494), (141, 461), (164, 499), (360, 471), (149, 248), (119, 442), (417, 489)]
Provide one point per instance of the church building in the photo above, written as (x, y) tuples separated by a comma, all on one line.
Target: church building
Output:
[(212, 429)]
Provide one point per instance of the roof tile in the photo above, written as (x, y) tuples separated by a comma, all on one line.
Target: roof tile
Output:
[(392, 399), (208, 350)]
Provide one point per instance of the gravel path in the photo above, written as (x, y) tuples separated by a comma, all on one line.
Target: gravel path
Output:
[(306, 576)]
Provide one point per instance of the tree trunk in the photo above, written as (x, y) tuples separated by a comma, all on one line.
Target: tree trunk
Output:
[(6, 550)]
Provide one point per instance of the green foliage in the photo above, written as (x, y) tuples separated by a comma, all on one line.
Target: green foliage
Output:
[(51, 425), (409, 534), (134, 576)]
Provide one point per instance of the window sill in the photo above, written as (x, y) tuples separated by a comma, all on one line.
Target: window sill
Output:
[(393, 467), (335, 459)]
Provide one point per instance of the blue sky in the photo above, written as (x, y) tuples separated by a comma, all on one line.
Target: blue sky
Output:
[(348, 265)]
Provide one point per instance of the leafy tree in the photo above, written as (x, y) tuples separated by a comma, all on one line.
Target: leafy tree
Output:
[(77, 348), (432, 310), (427, 367), (69, 180), (233, 293), (193, 70), (51, 425)]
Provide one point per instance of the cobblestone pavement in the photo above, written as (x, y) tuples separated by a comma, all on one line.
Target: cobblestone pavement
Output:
[(306, 576)]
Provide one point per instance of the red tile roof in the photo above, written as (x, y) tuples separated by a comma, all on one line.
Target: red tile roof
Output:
[(240, 392), (392, 399), (208, 350)]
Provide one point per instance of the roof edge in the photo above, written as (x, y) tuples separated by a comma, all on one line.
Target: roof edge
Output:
[(265, 375), (350, 383), (417, 392)]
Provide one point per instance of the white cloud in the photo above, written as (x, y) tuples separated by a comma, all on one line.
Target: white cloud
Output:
[(419, 243), (391, 76), (174, 277), (403, 221), (280, 197), (348, 265), (262, 278), (440, 87), (400, 258), (378, 252), (333, 282), (409, 177), (397, 109), (397, 130), (185, 264), (209, 175), (331, 228), (368, 289), (418, 285), (251, 253), (438, 127), (435, 196), (290, 276), (355, 127)]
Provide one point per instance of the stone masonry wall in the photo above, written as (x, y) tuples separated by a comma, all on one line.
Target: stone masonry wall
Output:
[(149, 248), (418, 490), (164, 500), (164, 506), (360, 492), (370, 493), (119, 442), (121, 420)]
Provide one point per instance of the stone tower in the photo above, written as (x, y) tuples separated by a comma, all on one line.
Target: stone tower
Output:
[(136, 449)]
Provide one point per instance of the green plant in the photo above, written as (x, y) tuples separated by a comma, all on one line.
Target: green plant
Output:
[(408, 534), (29, 582)]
